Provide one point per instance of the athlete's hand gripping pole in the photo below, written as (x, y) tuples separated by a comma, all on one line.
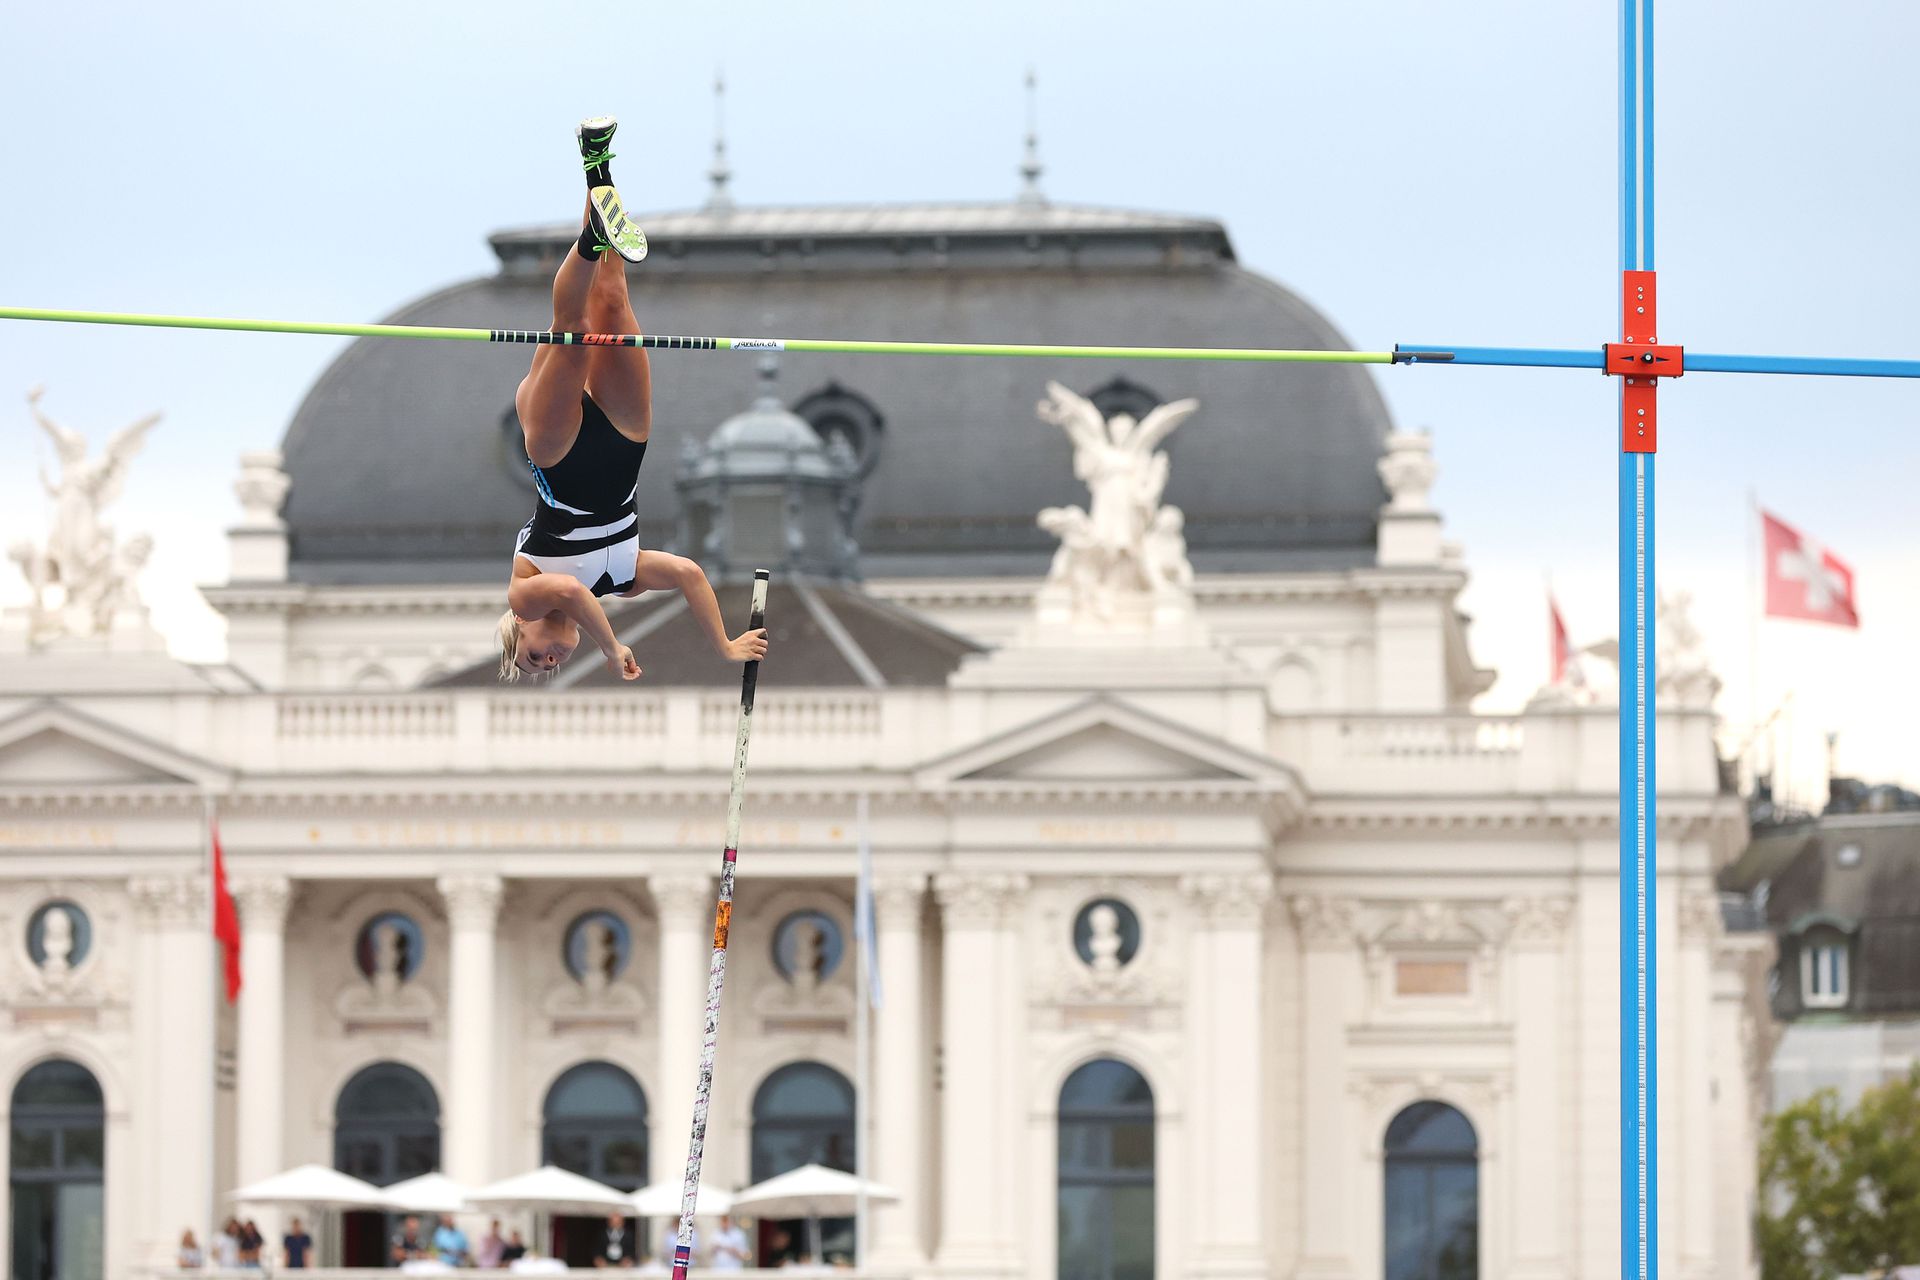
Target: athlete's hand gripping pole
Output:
[(717, 968)]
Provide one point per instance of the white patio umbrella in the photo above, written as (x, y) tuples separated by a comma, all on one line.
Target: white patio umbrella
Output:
[(428, 1193), (313, 1187), (549, 1190), (311, 1184), (812, 1192), (662, 1200)]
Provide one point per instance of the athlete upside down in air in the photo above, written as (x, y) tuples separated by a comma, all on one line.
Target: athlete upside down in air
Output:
[(585, 413)]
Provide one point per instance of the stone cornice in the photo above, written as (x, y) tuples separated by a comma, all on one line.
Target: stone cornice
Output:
[(313, 600), (1682, 817), (1365, 583)]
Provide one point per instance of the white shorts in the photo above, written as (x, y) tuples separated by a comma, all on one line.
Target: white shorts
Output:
[(605, 572)]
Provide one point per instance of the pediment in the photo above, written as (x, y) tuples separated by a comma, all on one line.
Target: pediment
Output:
[(50, 745), (1103, 741), (1104, 753)]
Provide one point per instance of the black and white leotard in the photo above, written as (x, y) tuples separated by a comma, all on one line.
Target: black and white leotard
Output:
[(585, 525)]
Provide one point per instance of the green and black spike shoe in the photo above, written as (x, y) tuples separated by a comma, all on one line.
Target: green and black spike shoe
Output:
[(610, 221)]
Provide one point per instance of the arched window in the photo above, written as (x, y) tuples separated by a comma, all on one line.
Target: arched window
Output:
[(802, 1114), (58, 1158), (836, 413), (596, 1125), (1123, 395), (1432, 1195), (1105, 1195), (386, 1127)]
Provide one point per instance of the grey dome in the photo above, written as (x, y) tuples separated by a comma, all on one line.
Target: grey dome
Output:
[(406, 465)]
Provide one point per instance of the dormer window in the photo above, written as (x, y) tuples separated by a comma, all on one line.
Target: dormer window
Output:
[(1824, 980)]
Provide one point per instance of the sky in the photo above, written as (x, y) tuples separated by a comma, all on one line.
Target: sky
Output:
[(1423, 173)]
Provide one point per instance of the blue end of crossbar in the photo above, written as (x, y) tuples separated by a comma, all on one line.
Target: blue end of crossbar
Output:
[(1698, 362), (1538, 357)]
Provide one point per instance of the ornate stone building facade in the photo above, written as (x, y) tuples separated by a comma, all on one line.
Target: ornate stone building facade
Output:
[(1237, 946)]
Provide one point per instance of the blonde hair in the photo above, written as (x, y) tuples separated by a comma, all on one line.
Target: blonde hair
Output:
[(509, 633)]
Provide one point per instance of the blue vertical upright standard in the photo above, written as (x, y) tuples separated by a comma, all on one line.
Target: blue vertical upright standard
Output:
[(1639, 361)]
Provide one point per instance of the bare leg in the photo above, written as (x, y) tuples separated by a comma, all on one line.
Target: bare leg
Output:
[(548, 400), (619, 379)]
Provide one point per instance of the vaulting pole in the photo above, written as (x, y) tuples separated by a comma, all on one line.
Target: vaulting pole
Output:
[(717, 967)]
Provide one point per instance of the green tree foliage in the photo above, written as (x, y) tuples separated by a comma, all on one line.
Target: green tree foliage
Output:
[(1840, 1190)]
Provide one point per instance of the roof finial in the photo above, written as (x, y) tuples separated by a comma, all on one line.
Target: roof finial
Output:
[(1030, 169), (718, 201)]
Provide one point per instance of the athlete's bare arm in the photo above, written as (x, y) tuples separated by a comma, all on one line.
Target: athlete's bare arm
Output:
[(659, 571)]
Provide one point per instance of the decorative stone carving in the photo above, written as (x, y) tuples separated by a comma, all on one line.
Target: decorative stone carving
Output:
[(1324, 922), (897, 901), (56, 942), (1122, 564), (1683, 672), (1064, 981), (1229, 900), (1699, 917), (263, 901), (385, 998), (978, 900), (1537, 922), (676, 897), (262, 489), (1103, 947), (595, 998), (1408, 470), (82, 579), (169, 900), (473, 901)]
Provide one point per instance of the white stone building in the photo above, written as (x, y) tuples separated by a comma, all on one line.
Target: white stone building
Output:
[(1231, 943)]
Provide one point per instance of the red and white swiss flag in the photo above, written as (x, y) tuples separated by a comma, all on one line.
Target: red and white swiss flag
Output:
[(1804, 579)]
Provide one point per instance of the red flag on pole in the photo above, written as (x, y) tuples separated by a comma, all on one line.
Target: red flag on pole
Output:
[(226, 918), (1564, 664), (1804, 579)]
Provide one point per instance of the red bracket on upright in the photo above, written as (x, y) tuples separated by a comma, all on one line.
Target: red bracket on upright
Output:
[(1642, 361)]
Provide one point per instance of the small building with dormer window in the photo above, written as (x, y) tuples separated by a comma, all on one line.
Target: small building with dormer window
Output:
[(1840, 890)]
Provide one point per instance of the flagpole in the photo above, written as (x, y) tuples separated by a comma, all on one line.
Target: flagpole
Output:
[(213, 993), (862, 1014), (1755, 604)]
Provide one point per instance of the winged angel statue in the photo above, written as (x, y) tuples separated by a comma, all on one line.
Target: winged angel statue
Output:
[(84, 575), (1125, 553)]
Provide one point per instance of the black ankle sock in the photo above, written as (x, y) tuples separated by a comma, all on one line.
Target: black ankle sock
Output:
[(589, 246)]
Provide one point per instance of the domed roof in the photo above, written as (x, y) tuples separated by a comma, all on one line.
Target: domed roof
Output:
[(406, 462)]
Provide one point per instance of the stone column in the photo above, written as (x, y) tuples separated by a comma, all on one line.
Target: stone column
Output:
[(899, 1074), (259, 1107), (1225, 1034), (473, 909), (1327, 1000), (178, 1127), (1733, 1116), (977, 1158), (1698, 926), (684, 907), (1539, 996)]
